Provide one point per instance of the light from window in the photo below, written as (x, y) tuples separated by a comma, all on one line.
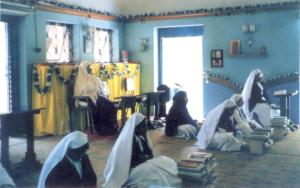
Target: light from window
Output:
[(102, 46), (58, 44)]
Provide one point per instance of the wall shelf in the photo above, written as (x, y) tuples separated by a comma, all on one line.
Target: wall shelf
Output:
[(249, 54)]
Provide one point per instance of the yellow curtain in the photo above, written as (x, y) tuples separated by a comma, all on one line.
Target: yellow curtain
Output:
[(117, 84), (55, 118)]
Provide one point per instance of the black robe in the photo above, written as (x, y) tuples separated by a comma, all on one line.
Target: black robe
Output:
[(139, 155), (226, 123), (64, 174), (258, 95), (178, 115), (105, 116)]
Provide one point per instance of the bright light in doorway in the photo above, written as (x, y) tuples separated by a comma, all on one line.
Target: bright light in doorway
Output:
[(182, 64)]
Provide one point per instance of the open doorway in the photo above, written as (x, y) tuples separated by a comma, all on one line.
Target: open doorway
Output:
[(181, 63), (4, 71)]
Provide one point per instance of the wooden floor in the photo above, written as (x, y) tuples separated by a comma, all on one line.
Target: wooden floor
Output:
[(278, 167)]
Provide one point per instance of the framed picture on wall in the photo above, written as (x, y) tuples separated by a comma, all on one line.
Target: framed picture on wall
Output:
[(88, 44), (216, 58)]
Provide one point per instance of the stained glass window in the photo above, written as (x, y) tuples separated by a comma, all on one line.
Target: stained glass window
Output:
[(59, 43)]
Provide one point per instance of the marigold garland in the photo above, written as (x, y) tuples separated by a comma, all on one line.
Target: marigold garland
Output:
[(36, 81), (62, 79), (103, 73)]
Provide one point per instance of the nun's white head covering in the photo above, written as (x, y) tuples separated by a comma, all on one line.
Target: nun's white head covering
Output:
[(248, 89), (236, 97), (118, 163), (72, 140), (89, 85), (210, 124), (5, 179)]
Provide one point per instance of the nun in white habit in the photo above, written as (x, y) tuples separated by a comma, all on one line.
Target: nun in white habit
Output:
[(89, 85), (68, 165), (104, 111), (255, 99), (242, 123), (5, 179), (122, 171), (212, 136)]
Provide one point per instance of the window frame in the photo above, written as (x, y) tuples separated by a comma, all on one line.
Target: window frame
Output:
[(69, 28), (110, 50)]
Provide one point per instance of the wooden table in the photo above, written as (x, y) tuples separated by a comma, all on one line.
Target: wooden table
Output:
[(16, 124)]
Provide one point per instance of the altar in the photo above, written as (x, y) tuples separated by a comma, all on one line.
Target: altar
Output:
[(53, 86)]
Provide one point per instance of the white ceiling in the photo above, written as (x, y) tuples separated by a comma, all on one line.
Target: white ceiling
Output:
[(133, 7)]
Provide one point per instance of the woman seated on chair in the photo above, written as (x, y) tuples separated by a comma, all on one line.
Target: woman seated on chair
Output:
[(256, 103), (131, 161), (104, 111), (179, 122), (68, 165), (218, 131)]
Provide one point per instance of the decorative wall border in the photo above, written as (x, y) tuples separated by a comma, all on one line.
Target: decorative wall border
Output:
[(282, 79), (223, 80), (222, 11), (54, 6), (237, 87)]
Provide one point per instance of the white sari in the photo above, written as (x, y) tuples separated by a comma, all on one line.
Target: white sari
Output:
[(262, 110), (240, 119), (73, 140), (157, 171), (208, 137), (89, 85), (5, 179), (186, 131)]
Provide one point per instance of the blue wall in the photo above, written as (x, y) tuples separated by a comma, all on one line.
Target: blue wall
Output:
[(27, 44), (278, 31)]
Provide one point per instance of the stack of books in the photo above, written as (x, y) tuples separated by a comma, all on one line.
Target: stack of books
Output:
[(279, 120), (281, 127), (198, 167), (260, 140), (267, 131)]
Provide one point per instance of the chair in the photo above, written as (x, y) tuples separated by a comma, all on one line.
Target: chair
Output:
[(127, 102), (152, 99), (83, 104)]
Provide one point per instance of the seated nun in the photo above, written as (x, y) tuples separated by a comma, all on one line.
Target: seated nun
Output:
[(218, 130), (104, 111), (240, 120), (179, 122), (131, 162), (68, 165), (5, 180), (256, 104)]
